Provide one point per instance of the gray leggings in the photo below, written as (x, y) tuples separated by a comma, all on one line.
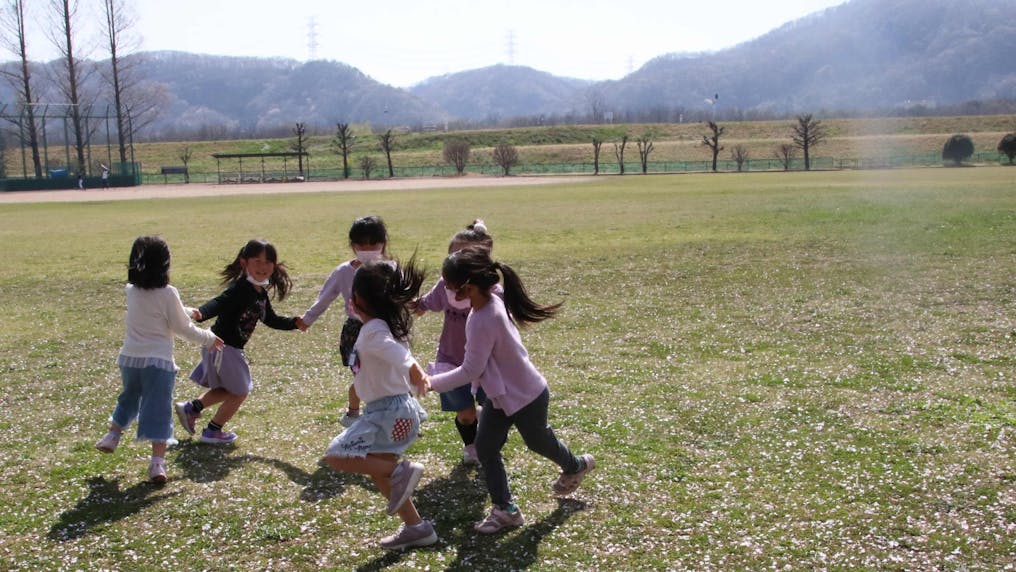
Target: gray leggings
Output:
[(531, 421)]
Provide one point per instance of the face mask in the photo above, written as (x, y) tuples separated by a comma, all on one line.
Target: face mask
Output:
[(368, 255), (262, 283), (463, 304)]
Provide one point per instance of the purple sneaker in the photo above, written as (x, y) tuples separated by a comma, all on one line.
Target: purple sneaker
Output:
[(403, 482), (217, 437), (185, 413)]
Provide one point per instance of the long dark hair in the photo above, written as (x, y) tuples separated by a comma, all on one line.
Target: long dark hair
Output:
[(148, 267), (473, 265), (385, 289), (279, 280)]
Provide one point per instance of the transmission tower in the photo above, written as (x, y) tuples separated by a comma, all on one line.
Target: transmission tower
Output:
[(510, 47), (312, 43)]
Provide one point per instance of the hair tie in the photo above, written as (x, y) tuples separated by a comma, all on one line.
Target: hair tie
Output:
[(479, 226)]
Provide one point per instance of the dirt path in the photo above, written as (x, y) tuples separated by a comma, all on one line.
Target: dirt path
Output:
[(204, 189)]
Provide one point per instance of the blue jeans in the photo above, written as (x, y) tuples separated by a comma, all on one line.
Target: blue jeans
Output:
[(148, 397), (531, 421)]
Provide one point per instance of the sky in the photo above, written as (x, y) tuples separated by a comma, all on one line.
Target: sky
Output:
[(402, 42)]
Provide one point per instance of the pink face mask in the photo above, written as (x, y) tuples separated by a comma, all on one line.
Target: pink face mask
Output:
[(463, 304)]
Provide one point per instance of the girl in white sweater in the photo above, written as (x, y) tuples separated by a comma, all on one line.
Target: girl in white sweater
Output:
[(155, 315), (383, 371)]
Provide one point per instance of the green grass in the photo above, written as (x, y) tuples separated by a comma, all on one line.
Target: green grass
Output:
[(812, 371)]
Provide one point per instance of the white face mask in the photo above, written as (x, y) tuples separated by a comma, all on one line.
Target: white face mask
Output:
[(262, 283), (463, 304), (368, 255)]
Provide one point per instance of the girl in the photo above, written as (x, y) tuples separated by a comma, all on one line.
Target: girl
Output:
[(516, 393), (452, 345), (383, 368), (255, 270), (154, 315), (368, 239)]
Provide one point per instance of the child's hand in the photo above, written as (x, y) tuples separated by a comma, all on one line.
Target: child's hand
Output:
[(218, 344), (195, 315), (301, 325)]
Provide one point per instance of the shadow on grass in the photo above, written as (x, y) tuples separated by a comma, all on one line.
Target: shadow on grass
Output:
[(454, 504), (105, 503), (203, 463)]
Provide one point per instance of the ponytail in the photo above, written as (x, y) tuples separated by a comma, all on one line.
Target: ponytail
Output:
[(522, 309), (386, 288)]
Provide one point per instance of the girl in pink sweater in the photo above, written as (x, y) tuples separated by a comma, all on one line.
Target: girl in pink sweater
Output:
[(516, 393)]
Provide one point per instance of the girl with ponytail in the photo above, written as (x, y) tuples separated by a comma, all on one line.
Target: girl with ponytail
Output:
[(497, 362)]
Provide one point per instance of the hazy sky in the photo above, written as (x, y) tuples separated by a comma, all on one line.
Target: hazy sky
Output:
[(401, 42)]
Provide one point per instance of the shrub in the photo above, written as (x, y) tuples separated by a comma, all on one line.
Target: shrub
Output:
[(958, 148)]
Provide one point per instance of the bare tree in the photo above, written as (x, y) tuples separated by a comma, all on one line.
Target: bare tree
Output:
[(506, 157), (62, 37), (807, 133), (342, 143), (739, 154), (713, 142), (300, 144), (119, 21), (456, 152), (645, 146), (785, 153), (619, 152), (387, 140), (12, 25), (184, 153), (597, 143), (367, 165)]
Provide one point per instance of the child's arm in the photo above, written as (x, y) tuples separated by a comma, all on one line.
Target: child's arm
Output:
[(273, 320), (419, 379), (479, 345), (329, 292), (180, 324)]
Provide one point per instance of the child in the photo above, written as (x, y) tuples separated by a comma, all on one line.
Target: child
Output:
[(516, 393), (452, 344), (255, 270), (383, 368), (154, 315), (368, 238)]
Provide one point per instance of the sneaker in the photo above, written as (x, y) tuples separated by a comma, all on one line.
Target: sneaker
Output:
[(157, 472), (404, 480), (566, 484), (217, 437), (499, 520), (422, 534), (349, 418), (109, 442), (187, 416), (469, 455)]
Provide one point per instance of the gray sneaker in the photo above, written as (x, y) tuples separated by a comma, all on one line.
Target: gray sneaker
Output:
[(404, 480), (422, 534), (566, 484)]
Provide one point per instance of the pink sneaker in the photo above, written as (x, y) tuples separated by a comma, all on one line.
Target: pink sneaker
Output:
[(499, 520), (566, 484), (185, 413), (217, 437), (109, 442)]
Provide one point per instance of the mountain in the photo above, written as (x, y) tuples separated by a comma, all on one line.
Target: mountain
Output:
[(861, 55), (501, 92), (864, 54)]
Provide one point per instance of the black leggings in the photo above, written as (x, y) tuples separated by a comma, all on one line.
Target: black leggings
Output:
[(538, 435)]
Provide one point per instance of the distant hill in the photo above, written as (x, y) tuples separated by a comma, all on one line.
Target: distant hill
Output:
[(862, 55), (865, 54), (502, 92)]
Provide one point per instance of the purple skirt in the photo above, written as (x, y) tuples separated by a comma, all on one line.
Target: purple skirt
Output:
[(226, 369)]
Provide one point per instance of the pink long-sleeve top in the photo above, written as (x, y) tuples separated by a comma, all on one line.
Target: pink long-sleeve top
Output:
[(495, 360)]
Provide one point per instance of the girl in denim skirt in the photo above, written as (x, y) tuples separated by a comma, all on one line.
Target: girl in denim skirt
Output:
[(154, 315), (383, 371), (254, 272)]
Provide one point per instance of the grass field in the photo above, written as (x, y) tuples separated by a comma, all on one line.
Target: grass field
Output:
[(792, 372)]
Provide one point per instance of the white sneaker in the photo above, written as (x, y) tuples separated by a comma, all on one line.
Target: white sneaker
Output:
[(157, 472), (499, 520), (422, 534), (403, 482), (469, 456), (109, 442)]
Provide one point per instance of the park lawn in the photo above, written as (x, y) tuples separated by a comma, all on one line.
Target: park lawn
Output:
[(774, 371)]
